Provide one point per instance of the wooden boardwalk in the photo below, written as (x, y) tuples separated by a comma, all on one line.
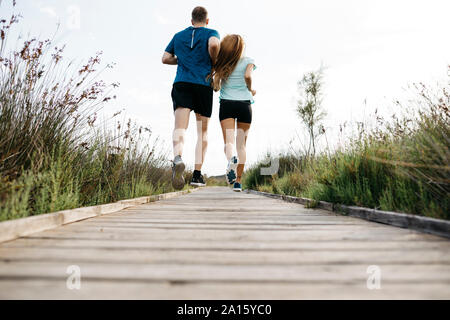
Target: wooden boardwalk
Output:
[(216, 244)]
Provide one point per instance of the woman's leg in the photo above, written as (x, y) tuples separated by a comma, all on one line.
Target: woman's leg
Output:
[(241, 142), (228, 136)]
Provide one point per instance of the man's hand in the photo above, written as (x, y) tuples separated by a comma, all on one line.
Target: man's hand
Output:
[(169, 58), (253, 92), (213, 49)]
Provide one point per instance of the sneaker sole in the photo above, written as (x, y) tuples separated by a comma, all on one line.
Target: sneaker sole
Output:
[(178, 179), (198, 184), (237, 190), (231, 171)]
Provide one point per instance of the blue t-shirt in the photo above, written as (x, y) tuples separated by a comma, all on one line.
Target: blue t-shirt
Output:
[(235, 87), (191, 48)]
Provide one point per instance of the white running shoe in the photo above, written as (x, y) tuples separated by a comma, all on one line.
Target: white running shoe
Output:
[(231, 174)]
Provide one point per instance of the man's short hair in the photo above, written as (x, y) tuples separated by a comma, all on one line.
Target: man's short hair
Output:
[(199, 14)]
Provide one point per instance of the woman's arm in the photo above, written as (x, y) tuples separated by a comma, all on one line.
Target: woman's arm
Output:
[(169, 58), (213, 49), (248, 78)]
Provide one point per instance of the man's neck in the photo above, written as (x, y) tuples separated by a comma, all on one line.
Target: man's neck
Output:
[(199, 25)]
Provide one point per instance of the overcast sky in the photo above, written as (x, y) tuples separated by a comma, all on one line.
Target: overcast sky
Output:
[(372, 51)]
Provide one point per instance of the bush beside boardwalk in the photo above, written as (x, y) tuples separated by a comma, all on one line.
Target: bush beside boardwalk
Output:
[(402, 166), (54, 155)]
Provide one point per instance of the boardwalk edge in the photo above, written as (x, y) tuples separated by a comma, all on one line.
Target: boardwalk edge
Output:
[(13, 229), (403, 220)]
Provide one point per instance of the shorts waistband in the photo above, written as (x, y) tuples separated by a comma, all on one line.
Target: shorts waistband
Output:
[(243, 101)]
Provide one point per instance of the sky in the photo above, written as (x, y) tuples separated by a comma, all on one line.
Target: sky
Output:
[(372, 51)]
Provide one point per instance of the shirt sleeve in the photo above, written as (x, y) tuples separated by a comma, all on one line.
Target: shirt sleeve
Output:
[(171, 48), (214, 33), (251, 61)]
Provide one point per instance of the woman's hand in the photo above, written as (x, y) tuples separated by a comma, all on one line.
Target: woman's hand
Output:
[(253, 92)]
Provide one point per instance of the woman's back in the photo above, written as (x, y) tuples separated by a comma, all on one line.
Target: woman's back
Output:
[(235, 87)]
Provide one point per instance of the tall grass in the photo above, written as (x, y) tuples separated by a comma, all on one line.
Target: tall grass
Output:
[(54, 154), (402, 165)]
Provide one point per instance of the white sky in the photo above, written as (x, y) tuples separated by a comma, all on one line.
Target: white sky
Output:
[(372, 50)]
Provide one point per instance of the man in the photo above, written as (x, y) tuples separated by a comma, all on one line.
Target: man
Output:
[(194, 50)]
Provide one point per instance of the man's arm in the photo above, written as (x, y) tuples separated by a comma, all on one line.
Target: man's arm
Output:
[(213, 49), (169, 58)]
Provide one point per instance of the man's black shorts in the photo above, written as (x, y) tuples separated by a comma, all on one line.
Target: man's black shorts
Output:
[(196, 97), (236, 109)]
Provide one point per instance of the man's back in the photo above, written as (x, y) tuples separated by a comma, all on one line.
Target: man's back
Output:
[(191, 48)]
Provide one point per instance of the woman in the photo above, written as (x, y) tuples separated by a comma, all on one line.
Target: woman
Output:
[(232, 75)]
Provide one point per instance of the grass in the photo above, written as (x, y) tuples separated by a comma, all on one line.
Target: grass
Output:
[(54, 153), (402, 165)]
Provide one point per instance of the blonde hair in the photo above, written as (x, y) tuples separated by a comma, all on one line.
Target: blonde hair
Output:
[(231, 49)]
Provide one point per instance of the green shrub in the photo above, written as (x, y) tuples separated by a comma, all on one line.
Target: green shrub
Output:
[(402, 165), (53, 155)]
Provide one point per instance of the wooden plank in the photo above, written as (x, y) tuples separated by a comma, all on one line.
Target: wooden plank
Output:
[(438, 227), (13, 229), (424, 273), (282, 218), (111, 242), (92, 289), (258, 226), (245, 245), (133, 235), (225, 257), (144, 234), (403, 220)]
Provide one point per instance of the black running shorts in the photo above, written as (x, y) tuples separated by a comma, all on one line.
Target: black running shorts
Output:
[(196, 97), (236, 109)]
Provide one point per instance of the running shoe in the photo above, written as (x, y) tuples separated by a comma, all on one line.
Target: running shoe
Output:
[(177, 173), (198, 181), (237, 187), (231, 174)]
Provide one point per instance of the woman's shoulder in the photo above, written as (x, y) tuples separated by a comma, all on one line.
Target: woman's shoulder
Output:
[(248, 60)]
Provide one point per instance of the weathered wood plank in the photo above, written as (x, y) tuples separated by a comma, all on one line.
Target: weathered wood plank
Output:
[(79, 237), (225, 257), (218, 244), (134, 235), (92, 289), (423, 224), (425, 273), (13, 229), (281, 220), (228, 225), (111, 242)]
